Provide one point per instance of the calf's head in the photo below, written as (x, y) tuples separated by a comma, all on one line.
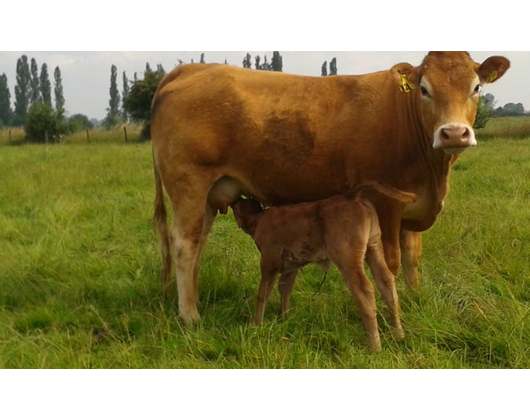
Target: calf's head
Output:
[(446, 88), (247, 212)]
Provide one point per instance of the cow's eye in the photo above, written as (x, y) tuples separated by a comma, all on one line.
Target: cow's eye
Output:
[(478, 88), (424, 91)]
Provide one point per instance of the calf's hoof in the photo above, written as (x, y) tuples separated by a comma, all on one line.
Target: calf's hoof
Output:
[(374, 344)]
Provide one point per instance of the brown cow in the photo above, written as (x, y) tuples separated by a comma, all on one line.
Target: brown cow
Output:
[(219, 131), (343, 229)]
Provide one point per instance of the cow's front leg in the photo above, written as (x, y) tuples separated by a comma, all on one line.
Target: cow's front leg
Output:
[(410, 243), (390, 226)]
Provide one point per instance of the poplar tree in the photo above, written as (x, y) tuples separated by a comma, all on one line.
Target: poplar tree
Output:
[(246, 61), (5, 102), (324, 69), (58, 90), (277, 61), (45, 85), (266, 65), (22, 91), (202, 58), (113, 111), (35, 95), (333, 67), (125, 93)]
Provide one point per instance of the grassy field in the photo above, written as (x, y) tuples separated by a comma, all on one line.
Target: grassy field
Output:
[(512, 128), (80, 275), (16, 136)]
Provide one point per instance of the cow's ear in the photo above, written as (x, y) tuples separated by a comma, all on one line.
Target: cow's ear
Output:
[(493, 69), (406, 76)]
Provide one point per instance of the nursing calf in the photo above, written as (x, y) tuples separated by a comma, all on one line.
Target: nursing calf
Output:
[(343, 229)]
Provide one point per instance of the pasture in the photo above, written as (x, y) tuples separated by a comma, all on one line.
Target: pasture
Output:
[(80, 274)]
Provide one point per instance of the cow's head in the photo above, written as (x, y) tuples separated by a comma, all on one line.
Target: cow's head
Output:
[(446, 88)]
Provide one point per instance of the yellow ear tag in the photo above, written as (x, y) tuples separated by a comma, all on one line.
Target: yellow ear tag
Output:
[(492, 76), (406, 86)]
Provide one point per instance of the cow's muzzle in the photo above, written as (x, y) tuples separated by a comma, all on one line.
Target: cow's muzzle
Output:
[(453, 139)]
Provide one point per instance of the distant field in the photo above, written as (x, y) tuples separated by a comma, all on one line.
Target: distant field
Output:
[(80, 275), (506, 128), (96, 135)]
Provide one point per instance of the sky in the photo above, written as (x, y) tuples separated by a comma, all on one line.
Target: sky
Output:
[(86, 74)]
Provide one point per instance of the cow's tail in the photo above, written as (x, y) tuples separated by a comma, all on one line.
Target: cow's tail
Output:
[(404, 197), (160, 219)]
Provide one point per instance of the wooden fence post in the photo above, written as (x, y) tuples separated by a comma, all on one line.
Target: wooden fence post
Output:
[(87, 135), (9, 136), (125, 131)]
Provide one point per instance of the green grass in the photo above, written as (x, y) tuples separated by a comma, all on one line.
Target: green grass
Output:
[(80, 275)]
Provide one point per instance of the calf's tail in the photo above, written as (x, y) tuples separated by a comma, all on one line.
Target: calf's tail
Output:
[(404, 197), (160, 219)]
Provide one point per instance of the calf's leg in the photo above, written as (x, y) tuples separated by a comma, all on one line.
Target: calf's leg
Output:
[(386, 284), (285, 286), (363, 292), (269, 272)]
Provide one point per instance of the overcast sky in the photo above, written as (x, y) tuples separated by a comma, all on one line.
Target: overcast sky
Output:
[(86, 75)]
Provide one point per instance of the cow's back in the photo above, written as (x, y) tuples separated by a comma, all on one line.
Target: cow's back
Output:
[(285, 138)]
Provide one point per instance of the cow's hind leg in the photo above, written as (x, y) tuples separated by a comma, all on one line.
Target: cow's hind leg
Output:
[(410, 244), (189, 230), (209, 218)]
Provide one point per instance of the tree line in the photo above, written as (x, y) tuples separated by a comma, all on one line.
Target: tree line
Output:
[(487, 109), (32, 88), (33, 108)]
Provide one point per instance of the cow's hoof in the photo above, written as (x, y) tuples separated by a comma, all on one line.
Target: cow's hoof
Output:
[(398, 333), (190, 317)]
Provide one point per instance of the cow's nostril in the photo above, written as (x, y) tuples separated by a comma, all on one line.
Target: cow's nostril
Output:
[(466, 134), (444, 135)]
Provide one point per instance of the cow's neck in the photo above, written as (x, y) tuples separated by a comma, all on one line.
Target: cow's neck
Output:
[(435, 167)]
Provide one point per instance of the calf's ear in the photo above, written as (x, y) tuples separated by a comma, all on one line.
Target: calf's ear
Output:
[(493, 69), (406, 76)]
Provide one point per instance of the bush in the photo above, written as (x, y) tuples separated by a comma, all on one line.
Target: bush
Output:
[(138, 102), (44, 124), (484, 113), (111, 121), (79, 122)]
